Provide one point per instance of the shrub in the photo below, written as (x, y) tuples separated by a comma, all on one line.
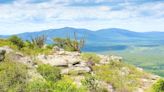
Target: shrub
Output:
[(158, 86), (91, 83), (39, 86), (32, 52), (91, 56), (70, 44), (50, 73), (28, 44), (15, 40), (4, 42), (13, 77), (50, 46), (120, 81), (67, 85), (63, 85), (39, 41)]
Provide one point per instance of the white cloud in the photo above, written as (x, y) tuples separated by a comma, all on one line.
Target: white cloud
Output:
[(21, 16)]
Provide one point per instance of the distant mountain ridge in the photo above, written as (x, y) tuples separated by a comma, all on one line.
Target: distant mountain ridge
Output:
[(111, 35)]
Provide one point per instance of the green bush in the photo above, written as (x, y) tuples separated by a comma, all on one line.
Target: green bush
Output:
[(63, 85), (91, 56), (67, 85), (39, 41), (70, 44), (66, 43), (13, 77), (32, 52), (28, 44), (158, 86), (121, 82), (91, 83), (4, 42), (15, 40), (50, 46), (50, 73), (39, 86)]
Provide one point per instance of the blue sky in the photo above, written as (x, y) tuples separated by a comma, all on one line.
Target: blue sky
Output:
[(17, 16)]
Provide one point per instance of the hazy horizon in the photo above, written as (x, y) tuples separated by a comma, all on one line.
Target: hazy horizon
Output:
[(75, 28), (18, 16)]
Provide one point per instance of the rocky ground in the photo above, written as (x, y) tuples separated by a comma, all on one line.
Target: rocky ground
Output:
[(70, 62)]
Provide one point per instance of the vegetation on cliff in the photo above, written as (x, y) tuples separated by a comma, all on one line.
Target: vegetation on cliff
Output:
[(94, 73)]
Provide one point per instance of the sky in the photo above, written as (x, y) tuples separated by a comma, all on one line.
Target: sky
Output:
[(18, 16)]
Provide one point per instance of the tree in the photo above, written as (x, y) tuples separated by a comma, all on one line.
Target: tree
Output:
[(15, 40)]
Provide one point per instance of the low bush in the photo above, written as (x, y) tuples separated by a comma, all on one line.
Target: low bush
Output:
[(39, 41), (158, 86), (13, 76), (32, 52), (67, 85), (50, 73), (15, 40), (4, 42), (92, 84), (39, 86), (123, 78), (69, 44)]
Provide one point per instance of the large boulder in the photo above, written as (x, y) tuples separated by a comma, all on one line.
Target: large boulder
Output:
[(56, 48), (61, 58), (19, 57), (15, 56), (2, 54), (53, 60), (7, 49)]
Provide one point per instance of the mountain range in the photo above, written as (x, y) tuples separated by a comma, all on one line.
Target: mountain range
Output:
[(102, 37)]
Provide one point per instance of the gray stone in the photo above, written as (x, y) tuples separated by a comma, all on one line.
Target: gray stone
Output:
[(7, 49), (116, 58), (2, 55), (56, 48), (75, 70), (53, 60)]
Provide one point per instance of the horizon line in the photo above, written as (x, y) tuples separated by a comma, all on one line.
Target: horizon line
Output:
[(83, 29)]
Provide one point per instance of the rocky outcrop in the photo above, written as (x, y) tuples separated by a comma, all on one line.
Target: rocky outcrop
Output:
[(70, 61), (72, 64), (7, 49), (76, 70), (3, 51), (19, 57)]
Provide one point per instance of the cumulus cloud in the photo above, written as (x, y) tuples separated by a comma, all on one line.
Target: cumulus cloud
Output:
[(34, 15)]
